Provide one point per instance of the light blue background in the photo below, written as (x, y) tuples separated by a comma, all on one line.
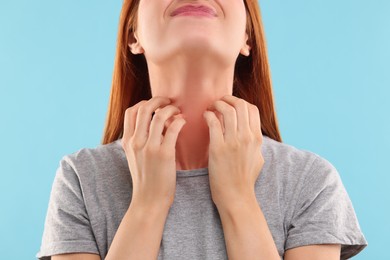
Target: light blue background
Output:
[(330, 70)]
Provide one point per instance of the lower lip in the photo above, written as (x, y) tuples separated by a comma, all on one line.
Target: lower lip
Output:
[(196, 13)]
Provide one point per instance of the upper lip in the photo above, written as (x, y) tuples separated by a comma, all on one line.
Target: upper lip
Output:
[(202, 7)]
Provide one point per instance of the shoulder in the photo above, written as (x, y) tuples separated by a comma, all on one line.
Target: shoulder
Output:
[(100, 164), (287, 154), (99, 155), (294, 162)]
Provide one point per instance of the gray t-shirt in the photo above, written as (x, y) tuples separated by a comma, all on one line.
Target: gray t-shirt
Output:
[(302, 198)]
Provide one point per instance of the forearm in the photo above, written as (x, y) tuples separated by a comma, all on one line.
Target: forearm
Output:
[(139, 234), (246, 231)]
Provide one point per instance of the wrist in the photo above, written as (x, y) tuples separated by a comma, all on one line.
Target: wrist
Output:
[(146, 210), (238, 204)]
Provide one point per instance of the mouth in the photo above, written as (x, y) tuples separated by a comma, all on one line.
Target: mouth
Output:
[(192, 10)]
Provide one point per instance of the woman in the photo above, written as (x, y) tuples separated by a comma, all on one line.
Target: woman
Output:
[(192, 165)]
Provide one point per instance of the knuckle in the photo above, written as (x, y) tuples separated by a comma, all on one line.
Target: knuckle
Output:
[(173, 127), (158, 117), (254, 108), (161, 98), (170, 129), (151, 150), (143, 110), (170, 107), (234, 144), (136, 144), (128, 112), (246, 139), (228, 108), (241, 103)]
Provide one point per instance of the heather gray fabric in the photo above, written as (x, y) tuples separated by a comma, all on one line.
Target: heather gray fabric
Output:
[(302, 197)]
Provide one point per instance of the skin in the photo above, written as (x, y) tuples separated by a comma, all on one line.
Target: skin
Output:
[(195, 65), (197, 123)]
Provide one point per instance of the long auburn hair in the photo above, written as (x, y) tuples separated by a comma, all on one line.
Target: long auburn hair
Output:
[(130, 82)]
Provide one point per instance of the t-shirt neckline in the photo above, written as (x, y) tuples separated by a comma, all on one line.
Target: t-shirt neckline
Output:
[(192, 172)]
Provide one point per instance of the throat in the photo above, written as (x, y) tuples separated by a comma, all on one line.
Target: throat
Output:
[(192, 148)]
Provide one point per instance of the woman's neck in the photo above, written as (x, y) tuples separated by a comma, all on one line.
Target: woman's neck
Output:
[(192, 88)]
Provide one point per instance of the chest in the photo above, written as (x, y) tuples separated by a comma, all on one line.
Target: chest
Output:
[(193, 228)]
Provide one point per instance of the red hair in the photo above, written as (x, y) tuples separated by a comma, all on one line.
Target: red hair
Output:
[(130, 82)]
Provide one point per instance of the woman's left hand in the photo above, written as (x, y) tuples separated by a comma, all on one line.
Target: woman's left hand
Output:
[(235, 158)]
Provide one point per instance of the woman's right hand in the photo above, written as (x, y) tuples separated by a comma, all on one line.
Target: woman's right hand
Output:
[(151, 153)]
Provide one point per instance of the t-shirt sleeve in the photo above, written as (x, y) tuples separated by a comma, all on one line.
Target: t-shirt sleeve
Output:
[(67, 227), (324, 213)]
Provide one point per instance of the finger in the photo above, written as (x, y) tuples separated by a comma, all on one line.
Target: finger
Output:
[(170, 138), (158, 123), (144, 116), (254, 120), (241, 107), (215, 129), (130, 119), (169, 122), (229, 117), (220, 118)]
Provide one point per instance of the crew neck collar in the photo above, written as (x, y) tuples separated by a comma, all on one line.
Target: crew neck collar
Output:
[(192, 172)]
